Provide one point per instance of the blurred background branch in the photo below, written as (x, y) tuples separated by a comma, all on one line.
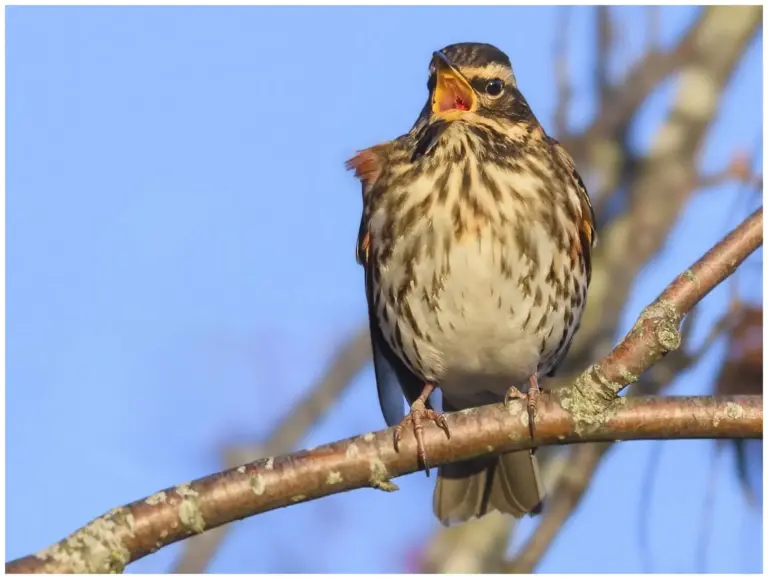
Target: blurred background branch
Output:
[(350, 359)]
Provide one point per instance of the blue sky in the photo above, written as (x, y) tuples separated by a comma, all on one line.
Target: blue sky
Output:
[(180, 267)]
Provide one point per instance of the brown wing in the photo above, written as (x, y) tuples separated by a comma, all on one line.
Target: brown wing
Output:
[(393, 378), (587, 231), (367, 166)]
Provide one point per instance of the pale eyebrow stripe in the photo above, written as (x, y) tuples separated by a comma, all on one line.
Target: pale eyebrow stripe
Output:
[(492, 70)]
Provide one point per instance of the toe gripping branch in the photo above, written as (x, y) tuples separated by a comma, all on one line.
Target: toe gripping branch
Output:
[(416, 417), (531, 398)]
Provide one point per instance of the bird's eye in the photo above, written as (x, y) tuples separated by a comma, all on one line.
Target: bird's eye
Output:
[(494, 87)]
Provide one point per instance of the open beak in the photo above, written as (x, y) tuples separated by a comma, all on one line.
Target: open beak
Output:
[(452, 93)]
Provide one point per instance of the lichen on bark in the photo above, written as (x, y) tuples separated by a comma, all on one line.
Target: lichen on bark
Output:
[(96, 548), (591, 398)]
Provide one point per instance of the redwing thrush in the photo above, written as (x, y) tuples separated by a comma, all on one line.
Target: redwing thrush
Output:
[(475, 239)]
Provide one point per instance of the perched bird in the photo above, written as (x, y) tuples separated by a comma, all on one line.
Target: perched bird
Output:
[(475, 238)]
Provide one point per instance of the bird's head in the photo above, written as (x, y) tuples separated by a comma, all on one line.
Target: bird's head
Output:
[(472, 78)]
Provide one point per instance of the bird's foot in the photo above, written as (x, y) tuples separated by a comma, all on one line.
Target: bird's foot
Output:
[(531, 398), (418, 414)]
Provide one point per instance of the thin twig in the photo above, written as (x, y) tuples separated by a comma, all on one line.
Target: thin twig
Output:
[(561, 73), (646, 492), (707, 513), (672, 367), (604, 52), (738, 170), (653, 28)]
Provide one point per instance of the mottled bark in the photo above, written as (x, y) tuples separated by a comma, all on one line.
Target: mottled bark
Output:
[(128, 533)]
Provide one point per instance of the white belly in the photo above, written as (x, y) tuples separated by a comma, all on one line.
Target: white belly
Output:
[(481, 316)]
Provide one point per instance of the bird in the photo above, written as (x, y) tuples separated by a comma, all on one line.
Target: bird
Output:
[(476, 238)]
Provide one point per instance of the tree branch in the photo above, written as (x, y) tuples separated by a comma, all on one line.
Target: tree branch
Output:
[(560, 62), (604, 52), (657, 330), (663, 180), (592, 413), (585, 459), (128, 533), (347, 363), (667, 175), (653, 28), (645, 76)]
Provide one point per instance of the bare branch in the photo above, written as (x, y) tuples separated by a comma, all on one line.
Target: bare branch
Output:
[(128, 533), (605, 34), (739, 169), (348, 362), (653, 28), (131, 532), (660, 185), (669, 174), (584, 461), (657, 331), (564, 89), (730, 22)]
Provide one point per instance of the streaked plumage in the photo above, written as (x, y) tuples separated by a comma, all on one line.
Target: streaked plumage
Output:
[(475, 238)]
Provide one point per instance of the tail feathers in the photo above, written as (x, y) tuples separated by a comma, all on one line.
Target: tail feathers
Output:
[(510, 484)]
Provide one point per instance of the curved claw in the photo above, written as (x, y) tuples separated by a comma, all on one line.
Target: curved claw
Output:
[(416, 417), (531, 398), (443, 424), (533, 401)]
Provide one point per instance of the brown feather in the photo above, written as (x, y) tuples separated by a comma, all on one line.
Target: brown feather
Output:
[(367, 165), (587, 231)]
